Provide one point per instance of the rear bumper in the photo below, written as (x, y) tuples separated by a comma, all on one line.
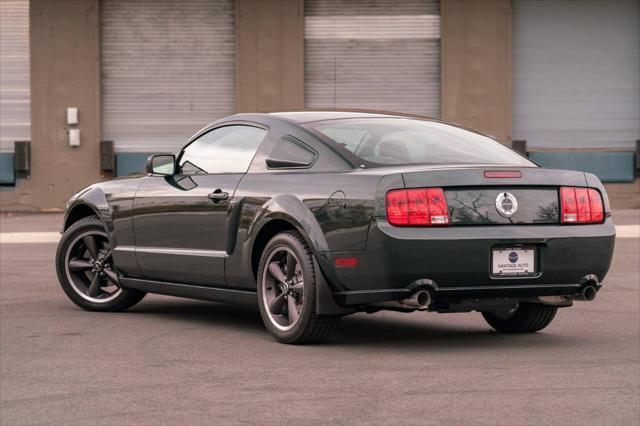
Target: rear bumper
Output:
[(456, 260), (438, 294)]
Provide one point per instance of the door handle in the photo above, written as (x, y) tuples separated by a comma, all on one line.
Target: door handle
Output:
[(218, 195)]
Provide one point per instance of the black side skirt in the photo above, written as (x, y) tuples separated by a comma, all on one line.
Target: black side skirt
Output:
[(189, 291)]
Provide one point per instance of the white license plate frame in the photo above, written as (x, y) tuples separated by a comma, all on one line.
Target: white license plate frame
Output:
[(504, 264)]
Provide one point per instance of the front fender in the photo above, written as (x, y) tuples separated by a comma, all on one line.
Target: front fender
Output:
[(94, 198)]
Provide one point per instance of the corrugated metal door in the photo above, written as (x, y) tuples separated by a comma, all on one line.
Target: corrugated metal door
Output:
[(15, 113), (576, 73), (373, 54), (168, 68)]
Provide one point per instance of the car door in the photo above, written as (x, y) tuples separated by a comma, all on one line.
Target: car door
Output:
[(179, 220)]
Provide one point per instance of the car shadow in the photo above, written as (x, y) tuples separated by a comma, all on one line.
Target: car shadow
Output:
[(361, 330), (425, 335), (240, 317)]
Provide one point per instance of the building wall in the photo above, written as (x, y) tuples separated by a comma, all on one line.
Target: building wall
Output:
[(476, 65), (65, 64), (270, 55), (65, 72)]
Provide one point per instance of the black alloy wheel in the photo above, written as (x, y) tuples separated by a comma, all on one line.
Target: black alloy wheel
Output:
[(87, 274), (283, 288), (89, 267), (287, 291)]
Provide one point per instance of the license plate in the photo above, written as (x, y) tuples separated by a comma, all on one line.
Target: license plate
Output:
[(513, 261)]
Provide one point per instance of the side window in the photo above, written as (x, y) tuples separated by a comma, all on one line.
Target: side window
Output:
[(228, 149), (288, 151)]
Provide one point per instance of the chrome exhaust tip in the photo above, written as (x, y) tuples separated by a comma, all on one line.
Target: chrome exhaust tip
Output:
[(589, 293), (420, 299)]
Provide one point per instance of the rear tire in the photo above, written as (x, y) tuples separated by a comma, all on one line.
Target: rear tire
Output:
[(526, 318), (80, 246), (287, 292)]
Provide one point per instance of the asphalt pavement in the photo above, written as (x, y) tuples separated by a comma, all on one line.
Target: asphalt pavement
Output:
[(178, 361)]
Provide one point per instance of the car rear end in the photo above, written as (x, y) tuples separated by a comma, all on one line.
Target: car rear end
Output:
[(463, 223), (478, 235)]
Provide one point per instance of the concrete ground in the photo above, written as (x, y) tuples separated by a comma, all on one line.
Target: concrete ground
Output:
[(176, 361)]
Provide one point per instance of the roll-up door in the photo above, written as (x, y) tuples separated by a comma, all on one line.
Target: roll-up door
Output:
[(576, 73), (15, 113), (373, 54), (168, 68)]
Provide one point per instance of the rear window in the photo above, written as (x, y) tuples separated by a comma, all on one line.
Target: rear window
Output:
[(406, 141)]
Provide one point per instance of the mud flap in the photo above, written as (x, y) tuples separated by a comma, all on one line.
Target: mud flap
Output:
[(325, 303)]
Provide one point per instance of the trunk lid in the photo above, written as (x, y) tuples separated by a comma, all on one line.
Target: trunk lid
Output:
[(474, 199)]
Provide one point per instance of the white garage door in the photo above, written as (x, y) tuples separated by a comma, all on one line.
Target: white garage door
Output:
[(15, 113), (576, 73), (373, 54), (168, 68)]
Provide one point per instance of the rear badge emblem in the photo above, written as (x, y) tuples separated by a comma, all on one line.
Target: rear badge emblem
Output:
[(506, 204)]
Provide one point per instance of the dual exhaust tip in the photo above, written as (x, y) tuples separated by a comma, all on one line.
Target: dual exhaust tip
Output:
[(421, 299), (588, 293)]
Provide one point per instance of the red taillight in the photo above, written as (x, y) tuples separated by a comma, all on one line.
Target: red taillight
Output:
[(397, 208), (417, 207), (438, 210), (580, 205), (595, 201)]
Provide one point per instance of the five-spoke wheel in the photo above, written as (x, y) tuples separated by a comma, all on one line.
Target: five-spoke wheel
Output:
[(283, 287), (87, 274), (90, 267), (287, 291)]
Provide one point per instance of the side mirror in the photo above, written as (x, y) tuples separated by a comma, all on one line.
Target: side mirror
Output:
[(161, 164)]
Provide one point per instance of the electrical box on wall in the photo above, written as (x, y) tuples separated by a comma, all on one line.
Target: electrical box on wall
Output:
[(74, 137), (72, 115)]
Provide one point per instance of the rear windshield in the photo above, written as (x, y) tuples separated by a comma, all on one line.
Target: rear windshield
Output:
[(407, 141)]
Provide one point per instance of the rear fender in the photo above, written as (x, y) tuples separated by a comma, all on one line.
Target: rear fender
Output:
[(290, 208), (293, 210)]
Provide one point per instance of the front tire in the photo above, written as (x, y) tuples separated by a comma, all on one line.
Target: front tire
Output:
[(287, 292), (526, 318), (86, 271)]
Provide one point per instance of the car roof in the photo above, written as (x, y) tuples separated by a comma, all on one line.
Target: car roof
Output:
[(308, 116)]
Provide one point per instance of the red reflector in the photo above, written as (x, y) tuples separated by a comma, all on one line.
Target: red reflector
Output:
[(500, 174), (417, 207), (580, 205), (346, 262)]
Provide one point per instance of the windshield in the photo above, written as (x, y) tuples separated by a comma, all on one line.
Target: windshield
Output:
[(407, 141)]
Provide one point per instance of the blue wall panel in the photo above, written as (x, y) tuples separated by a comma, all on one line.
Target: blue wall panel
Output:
[(608, 166), (7, 175), (131, 162)]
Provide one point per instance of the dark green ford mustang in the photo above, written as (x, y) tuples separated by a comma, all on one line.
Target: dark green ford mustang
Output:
[(316, 215)]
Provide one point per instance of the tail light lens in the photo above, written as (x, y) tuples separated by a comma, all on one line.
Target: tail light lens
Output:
[(417, 207), (580, 205)]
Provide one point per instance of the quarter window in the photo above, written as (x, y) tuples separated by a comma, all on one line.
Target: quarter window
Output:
[(291, 150), (228, 149)]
